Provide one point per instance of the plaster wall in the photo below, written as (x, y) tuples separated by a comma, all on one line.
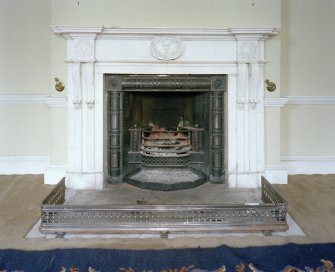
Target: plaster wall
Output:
[(25, 47), (24, 71), (272, 135), (309, 46), (307, 72), (160, 13), (25, 130), (308, 130)]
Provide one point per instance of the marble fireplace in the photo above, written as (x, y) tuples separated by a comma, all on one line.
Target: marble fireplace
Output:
[(96, 55)]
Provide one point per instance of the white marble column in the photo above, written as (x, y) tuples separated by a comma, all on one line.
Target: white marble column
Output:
[(250, 154), (83, 171)]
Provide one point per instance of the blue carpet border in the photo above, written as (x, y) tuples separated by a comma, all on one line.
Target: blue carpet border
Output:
[(275, 258)]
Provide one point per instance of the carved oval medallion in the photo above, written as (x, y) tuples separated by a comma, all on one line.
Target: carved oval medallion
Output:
[(166, 47)]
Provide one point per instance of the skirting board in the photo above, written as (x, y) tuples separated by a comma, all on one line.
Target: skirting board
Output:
[(309, 164), (23, 165), (276, 173), (20, 165)]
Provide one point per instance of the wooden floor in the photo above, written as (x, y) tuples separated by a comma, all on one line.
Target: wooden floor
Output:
[(310, 198)]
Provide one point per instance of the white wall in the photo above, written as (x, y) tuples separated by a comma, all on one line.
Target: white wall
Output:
[(25, 130), (308, 130), (309, 45), (25, 47), (307, 71), (161, 13)]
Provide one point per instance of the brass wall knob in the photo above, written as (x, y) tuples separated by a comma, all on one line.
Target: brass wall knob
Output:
[(270, 86), (59, 86)]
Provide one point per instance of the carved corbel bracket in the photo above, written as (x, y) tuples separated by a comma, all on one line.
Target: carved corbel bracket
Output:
[(90, 103), (241, 103), (253, 103)]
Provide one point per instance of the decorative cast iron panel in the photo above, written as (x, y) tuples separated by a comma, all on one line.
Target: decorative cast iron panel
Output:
[(166, 103)]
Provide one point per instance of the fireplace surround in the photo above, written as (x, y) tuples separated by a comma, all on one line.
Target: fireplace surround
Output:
[(236, 53)]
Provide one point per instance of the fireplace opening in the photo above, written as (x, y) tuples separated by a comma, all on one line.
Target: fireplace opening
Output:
[(165, 132)]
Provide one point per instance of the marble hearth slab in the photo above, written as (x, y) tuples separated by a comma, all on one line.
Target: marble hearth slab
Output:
[(125, 194)]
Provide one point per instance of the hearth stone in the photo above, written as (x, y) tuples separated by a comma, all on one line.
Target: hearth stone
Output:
[(125, 194), (166, 179)]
